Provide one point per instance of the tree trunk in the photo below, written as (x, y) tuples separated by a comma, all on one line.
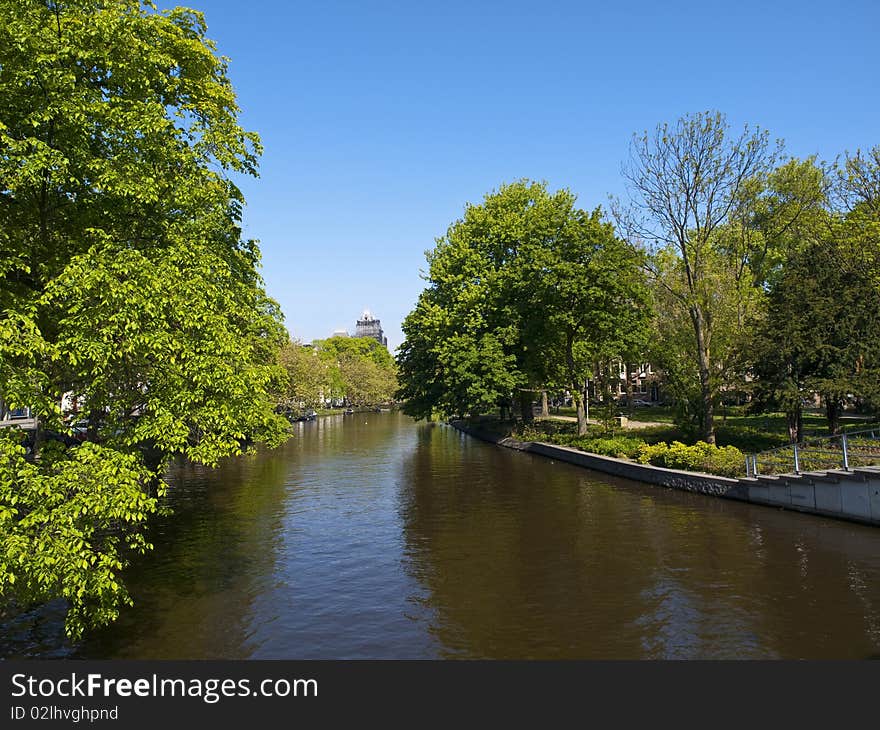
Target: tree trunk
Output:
[(610, 399), (525, 406), (796, 424), (545, 406), (832, 413), (707, 423), (629, 390), (577, 387), (581, 415)]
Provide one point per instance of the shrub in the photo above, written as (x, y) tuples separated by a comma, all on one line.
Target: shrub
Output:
[(621, 447), (722, 460), (654, 454)]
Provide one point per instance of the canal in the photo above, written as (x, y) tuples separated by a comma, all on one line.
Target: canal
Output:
[(371, 536)]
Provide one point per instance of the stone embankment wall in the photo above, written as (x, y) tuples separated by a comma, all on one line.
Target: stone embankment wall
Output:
[(851, 495)]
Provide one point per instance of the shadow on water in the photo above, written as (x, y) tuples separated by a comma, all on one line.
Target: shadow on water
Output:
[(194, 591), (198, 576)]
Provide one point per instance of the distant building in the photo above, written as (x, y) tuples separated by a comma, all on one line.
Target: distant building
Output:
[(23, 418), (340, 333), (368, 326)]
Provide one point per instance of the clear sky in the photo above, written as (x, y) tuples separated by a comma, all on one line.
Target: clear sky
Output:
[(381, 119)]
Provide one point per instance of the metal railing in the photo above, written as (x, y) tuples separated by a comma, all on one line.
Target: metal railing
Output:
[(843, 451)]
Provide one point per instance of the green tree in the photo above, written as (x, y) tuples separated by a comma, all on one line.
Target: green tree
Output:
[(822, 324), (308, 376), (464, 351), (64, 520), (776, 214), (125, 283), (777, 223), (685, 181), (823, 331), (734, 306), (522, 292), (858, 184), (587, 293), (359, 368), (422, 373), (858, 191), (468, 343)]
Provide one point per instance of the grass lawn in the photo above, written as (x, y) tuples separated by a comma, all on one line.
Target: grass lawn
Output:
[(653, 441), (733, 427), (660, 414)]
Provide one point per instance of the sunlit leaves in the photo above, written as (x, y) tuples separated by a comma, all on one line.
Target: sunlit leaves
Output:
[(516, 287), (124, 283), (359, 368), (63, 521)]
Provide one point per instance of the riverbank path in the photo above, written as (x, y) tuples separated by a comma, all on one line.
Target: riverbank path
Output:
[(631, 425)]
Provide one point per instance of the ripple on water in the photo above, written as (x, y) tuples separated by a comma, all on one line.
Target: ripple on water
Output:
[(381, 538)]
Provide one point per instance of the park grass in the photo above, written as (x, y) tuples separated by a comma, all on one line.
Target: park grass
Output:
[(330, 411), (660, 414), (749, 432), (661, 439)]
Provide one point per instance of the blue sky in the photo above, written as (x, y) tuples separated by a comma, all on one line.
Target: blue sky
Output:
[(380, 120)]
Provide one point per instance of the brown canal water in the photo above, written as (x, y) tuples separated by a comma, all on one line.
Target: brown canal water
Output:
[(371, 536)]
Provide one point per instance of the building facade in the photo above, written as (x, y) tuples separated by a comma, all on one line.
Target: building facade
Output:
[(369, 326)]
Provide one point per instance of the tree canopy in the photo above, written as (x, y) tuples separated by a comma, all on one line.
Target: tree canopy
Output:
[(686, 181), (126, 286), (358, 370), (523, 292), (822, 324)]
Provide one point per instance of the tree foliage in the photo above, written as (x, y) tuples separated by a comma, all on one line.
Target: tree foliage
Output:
[(523, 292), (360, 369), (686, 180), (64, 520), (587, 297), (308, 377), (464, 349), (823, 313), (125, 282)]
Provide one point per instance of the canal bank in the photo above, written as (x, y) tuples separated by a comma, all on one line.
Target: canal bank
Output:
[(848, 495)]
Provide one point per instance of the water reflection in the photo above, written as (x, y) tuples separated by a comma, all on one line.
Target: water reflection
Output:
[(374, 537), (213, 559), (306, 566), (525, 558)]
